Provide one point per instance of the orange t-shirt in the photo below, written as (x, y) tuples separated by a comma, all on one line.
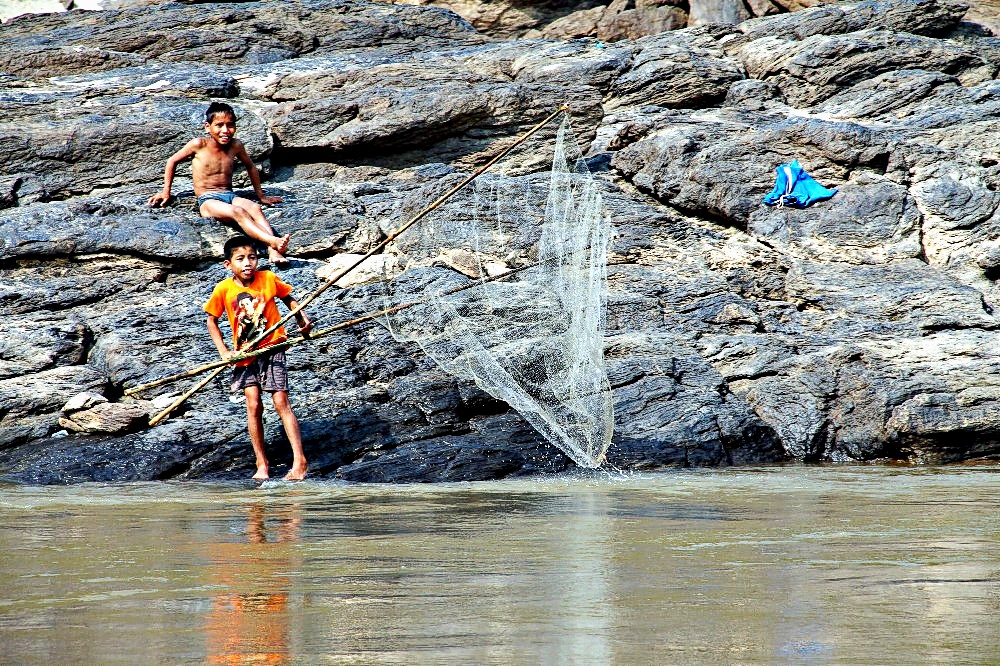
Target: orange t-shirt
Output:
[(251, 310)]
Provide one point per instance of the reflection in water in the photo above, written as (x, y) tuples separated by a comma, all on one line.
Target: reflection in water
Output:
[(796, 565), (801, 630), (582, 587), (252, 625)]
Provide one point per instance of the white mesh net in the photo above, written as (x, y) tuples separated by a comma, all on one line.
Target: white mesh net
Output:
[(534, 340)]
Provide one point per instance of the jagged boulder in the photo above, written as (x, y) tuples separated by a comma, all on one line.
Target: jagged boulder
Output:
[(676, 70), (814, 69), (92, 413), (859, 329), (507, 20), (622, 19)]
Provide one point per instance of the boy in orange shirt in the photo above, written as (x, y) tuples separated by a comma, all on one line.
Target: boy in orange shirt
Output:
[(247, 299)]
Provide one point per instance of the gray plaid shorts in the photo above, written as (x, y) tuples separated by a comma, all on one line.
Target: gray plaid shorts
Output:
[(267, 371)]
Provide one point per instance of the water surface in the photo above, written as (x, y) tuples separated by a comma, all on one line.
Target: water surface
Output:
[(812, 565)]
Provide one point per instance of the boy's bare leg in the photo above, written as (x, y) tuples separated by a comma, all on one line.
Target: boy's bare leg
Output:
[(251, 219), (255, 424), (284, 409), (275, 253)]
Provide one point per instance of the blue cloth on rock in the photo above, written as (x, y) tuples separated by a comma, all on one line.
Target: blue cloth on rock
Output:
[(794, 187)]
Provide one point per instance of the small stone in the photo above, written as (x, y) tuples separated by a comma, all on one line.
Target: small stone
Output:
[(106, 417), (372, 269), (463, 261), (82, 401)]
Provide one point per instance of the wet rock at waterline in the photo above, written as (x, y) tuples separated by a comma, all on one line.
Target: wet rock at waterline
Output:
[(862, 328)]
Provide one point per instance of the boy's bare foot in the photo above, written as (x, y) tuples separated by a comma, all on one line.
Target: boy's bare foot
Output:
[(282, 245), (276, 257), (295, 474), (276, 252), (261, 474)]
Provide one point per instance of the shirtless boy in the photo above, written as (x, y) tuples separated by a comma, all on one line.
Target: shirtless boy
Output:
[(247, 299), (212, 173)]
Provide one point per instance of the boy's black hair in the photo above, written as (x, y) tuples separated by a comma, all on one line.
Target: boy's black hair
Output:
[(237, 242), (218, 107)]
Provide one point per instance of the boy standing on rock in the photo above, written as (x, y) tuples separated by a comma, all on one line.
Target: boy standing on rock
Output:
[(212, 173), (247, 299)]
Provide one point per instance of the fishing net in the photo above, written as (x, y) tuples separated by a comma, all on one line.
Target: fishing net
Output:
[(534, 339)]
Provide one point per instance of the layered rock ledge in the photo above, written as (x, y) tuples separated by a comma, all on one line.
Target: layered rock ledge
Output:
[(862, 328)]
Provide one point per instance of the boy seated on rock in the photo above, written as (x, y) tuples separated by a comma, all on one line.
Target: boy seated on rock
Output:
[(247, 299), (212, 173)]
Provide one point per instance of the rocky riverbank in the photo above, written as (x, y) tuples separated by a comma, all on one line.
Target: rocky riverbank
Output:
[(862, 328)]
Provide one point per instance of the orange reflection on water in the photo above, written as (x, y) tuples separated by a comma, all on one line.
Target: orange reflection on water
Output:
[(250, 622)]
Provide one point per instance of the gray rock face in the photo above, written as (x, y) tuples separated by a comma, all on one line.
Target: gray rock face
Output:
[(442, 113), (507, 20), (676, 70), (632, 19), (621, 19), (811, 70), (917, 17), (862, 328)]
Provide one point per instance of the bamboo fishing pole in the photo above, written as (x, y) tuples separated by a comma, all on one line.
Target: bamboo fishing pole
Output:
[(419, 216), (177, 403), (322, 332)]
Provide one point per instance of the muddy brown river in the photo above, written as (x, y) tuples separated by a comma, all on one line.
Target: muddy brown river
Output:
[(783, 565)]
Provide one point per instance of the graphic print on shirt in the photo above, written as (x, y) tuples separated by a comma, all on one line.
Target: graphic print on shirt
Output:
[(249, 320)]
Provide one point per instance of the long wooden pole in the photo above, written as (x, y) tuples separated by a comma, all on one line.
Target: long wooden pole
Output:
[(177, 403), (322, 332)]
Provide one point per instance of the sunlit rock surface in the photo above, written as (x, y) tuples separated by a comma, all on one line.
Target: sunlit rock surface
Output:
[(862, 328)]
